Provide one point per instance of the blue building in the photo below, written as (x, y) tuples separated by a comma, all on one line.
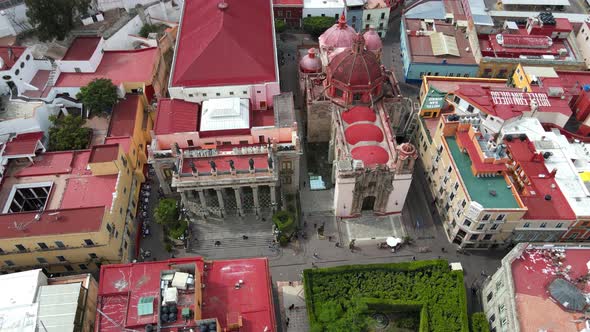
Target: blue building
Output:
[(354, 14), (435, 48)]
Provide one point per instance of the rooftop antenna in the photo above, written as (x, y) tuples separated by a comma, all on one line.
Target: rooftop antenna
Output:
[(222, 5)]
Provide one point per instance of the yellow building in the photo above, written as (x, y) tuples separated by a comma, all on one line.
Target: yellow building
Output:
[(68, 211), (525, 77)]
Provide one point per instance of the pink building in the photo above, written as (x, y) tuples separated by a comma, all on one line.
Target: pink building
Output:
[(350, 99)]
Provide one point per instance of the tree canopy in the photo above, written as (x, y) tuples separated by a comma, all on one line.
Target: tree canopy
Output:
[(54, 18), (166, 213), (280, 25), (68, 133), (316, 25), (99, 96)]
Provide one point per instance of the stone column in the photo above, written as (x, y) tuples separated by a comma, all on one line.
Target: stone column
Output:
[(273, 198), (238, 201), (220, 201), (256, 204), (203, 201)]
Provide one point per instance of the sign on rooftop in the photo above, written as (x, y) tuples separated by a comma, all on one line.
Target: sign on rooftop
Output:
[(519, 98), (434, 100)]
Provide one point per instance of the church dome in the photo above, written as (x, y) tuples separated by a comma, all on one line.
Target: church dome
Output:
[(340, 35), (310, 63), (355, 67), (372, 40)]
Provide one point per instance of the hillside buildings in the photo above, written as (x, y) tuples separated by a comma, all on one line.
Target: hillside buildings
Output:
[(188, 293), (539, 287)]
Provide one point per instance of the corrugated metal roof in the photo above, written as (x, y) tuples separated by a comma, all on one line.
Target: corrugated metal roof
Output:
[(225, 114), (57, 306), (443, 44)]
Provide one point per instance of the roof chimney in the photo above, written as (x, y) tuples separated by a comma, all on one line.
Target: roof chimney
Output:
[(222, 5), (342, 21)]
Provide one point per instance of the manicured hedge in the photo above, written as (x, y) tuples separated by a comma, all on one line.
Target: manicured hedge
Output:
[(346, 293), (479, 322)]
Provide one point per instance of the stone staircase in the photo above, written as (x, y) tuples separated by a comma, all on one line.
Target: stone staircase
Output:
[(52, 76)]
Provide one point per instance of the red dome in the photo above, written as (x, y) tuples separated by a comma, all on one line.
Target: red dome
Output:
[(310, 63), (370, 155), (355, 67), (407, 150), (363, 132), (359, 113), (372, 40), (339, 35)]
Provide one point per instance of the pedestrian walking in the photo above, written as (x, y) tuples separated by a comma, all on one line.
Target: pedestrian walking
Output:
[(315, 255), (413, 258), (287, 322), (442, 249), (304, 183), (315, 225), (292, 306)]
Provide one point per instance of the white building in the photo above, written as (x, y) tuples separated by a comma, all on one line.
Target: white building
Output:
[(524, 294), (583, 41), (328, 8)]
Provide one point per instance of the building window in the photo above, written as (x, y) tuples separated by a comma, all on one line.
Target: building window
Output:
[(501, 216), (125, 244), (490, 295), (543, 225), (467, 223), (88, 242), (59, 244), (83, 267), (493, 316), (279, 13), (368, 16), (487, 237), (41, 260), (354, 18), (480, 226), (288, 13), (573, 236), (494, 226), (367, 26), (451, 74), (109, 228), (9, 263), (463, 203), (323, 15), (452, 196), (218, 94), (42, 245), (124, 161), (473, 237), (204, 95), (456, 100), (231, 93), (486, 217), (559, 225), (470, 109), (244, 92), (60, 258), (190, 95), (1, 251), (121, 211), (308, 15), (20, 247), (526, 225), (116, 234), (336, 16), (92, 255), (382, 16), (381, 28)]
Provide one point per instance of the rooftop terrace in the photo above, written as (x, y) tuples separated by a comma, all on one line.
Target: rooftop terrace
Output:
[(480, 189)]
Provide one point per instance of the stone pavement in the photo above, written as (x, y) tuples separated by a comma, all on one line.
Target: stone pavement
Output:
[(370, 227), (292, 295)]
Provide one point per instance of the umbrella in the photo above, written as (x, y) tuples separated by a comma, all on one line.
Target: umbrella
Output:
[(393, 241)]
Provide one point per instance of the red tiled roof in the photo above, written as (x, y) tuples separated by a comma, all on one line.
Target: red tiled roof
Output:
[(122, 285), (49, 163), (287, 3), (506, 108), (118, 66), (222, 163), (370, 155), (359, 113), (474, 155), (176, 116), (363, 132), (89, 191), (104, 153), (420, 47), (541, 185), (532, 273), (58, 222), (123, 116), (23, 144), (81, 48), (10, 55), (224, 47)]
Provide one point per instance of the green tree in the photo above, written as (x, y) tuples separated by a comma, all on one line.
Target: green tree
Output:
[(54, 18), (166, 213), (99, 96), (68, 133), (146, 29), (280, 26), (479, 322), (316, 25)]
